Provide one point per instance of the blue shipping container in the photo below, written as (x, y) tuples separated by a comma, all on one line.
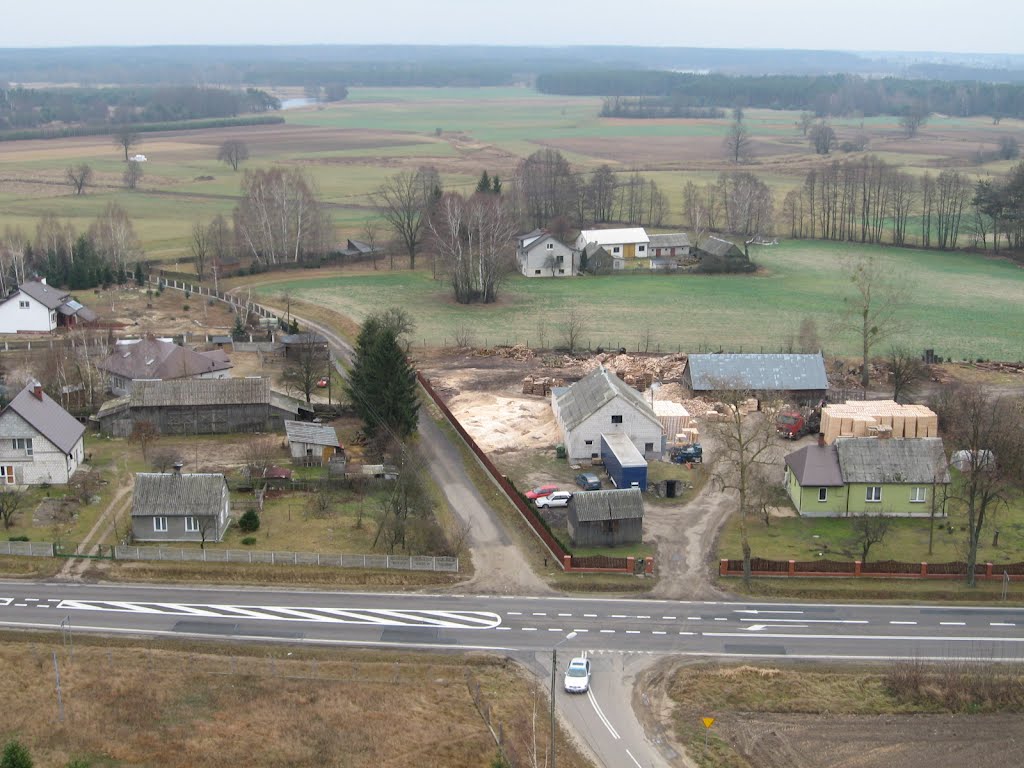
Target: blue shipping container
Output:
[(626, 466)]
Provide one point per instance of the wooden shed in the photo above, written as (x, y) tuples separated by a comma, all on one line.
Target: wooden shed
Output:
[(606, 518)]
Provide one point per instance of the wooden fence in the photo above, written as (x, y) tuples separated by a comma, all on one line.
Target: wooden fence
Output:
[(878, 569)]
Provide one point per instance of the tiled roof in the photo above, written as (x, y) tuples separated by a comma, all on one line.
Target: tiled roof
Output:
[(151, 358), (47, 418), (757, 372), (816, 466), (173, 494), (593, 391), (614, 504), (910, 460), (46, 295)]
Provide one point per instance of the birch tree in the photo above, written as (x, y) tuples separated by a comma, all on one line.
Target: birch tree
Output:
[(405, 202), (280, 218), (871, 308)]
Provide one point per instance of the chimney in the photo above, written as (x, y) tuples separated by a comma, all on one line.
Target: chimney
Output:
[(177, 467), (42, 280), (37, 390), (821, 439)]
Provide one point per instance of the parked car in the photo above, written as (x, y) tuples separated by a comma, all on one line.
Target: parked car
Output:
[(577, 676), (322, 382), (541, 490), (588, 481), (556, 499)]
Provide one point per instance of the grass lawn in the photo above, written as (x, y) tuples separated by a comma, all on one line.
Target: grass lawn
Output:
[(964, 313)]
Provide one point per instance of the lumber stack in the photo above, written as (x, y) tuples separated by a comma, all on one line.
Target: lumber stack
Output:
[(877, 418), (673, 416)]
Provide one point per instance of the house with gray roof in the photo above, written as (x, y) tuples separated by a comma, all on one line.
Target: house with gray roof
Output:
[(150, 359), (668, 251), (602, 403), (311, 444), (36, 306), (541, 254), (799, 378), (606, 518), (868, 476), (40, 442), (176, 506)]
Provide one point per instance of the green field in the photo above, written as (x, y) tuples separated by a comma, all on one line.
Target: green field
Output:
[(963, 306)]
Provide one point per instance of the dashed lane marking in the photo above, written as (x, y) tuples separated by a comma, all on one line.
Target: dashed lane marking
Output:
[(528, 629), (909, 623), (693, 618), (590, 615), (1001, 624), (564, 614), (607, 631), (952, 623), (632, 631), (668, 618), (658, 632)]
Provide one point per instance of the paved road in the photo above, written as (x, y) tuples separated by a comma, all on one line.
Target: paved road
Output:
[(611, 632)]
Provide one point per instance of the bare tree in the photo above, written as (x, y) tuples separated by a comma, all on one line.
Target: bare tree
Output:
[(126, 137), (200, 247), (807, 339), (221, 245), (143, 434), (132, 174), (78, 176), (165, 459), (546, 187), (260, 454), (234, 152), (987, 434), (11, 500), (405, 202), (371, 236), (871, 311), (280, 218), (737, 142), (907, 371), (113, 237), (912, 120), (746, 440), (310, 363), (572, 326), (88, 349), (822, 138), (805, 122), (868, 531)]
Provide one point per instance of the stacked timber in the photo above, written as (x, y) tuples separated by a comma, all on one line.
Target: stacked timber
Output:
[(540, 385), (877, 418), (673, 416)]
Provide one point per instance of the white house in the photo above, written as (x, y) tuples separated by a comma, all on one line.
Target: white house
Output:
[(541, 254), (40, 442), (602, 403), (36, 306), (628, 243)]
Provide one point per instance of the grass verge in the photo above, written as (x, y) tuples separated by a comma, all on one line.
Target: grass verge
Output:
[(881, 590)]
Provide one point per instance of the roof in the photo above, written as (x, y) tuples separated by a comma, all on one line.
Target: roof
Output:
[(173, 494), (46, 295), (615, 236), (623, 448), (303, 338), (911, 460), (113, 407), (758, 372), (313, 434), (152, 358), (613, 504), (247, 391), (672, 240), (716, 246), (285, 403), (816, 465), (592, 392), (47, 418), (530, 244)]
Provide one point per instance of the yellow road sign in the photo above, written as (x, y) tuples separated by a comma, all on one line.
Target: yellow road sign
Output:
[(708, 721)]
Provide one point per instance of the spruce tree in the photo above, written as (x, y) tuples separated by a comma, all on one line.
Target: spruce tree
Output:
[(496, 184), (484, 185), (382, 382), (15, 756)]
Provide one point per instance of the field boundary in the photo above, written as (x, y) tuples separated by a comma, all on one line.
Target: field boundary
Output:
[(881, 569)]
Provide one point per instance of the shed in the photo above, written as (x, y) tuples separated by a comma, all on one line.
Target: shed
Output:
[(791, 376), (606, 518), (311, 444), (172, 506)]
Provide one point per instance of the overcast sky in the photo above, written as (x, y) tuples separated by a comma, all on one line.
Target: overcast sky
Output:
[(983, 26)]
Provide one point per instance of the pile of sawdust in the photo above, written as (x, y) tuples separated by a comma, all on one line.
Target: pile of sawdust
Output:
[(499, 423)]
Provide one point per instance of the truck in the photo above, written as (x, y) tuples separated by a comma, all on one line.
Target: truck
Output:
[(688, 454), (794, 423), (625, 465)]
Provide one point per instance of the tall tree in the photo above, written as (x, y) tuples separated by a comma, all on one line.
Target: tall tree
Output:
[(546, 186), (11, 501), (280, 218), (382, 382), (906, 372), (78, 176), (126, 137), (405, 201), (308, 364), (234, 152), (132, 174), (200, 247), (113, 237), (822, 137), (737, 142), (871, 309), (913, 119)]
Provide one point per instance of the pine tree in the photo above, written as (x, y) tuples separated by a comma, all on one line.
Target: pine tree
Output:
[(238, 331), (382, 382), (484, 185), (495, 185), (15, 756)]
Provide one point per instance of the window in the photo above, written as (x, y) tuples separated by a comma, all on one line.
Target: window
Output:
[(874, 493), (550, 246), (160, 524), (588, 442), (23, 305), (561, 271), (648, 447), (23, 444), (536, 271), (641, 249), (918, 494), (616, 249), (823, 494), (191, 524), (7, 473), (616, 419)]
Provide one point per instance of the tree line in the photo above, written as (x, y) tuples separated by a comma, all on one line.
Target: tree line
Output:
[(647, 93)]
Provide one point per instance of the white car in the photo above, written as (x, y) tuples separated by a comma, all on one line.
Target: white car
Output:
[(556, 499), (577, 676)]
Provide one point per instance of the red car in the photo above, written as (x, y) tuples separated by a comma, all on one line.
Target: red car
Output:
[(322, 382), (541, 490)]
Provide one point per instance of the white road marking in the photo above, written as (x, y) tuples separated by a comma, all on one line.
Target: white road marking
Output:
[(607, 631), (952, 623), (658, 632), (528, 629), (504, 629), (643, 617), (590, 615), (761, 627), (552, 629), (515, 613), (820, 621), (565, 614), (755, 611), (687, 633), (632, 631), (668, 618), (1000, 624), (693, 618), (619, 616), (911, 623), (6, 601), (911, 638), (721, 618), (540, 614), (635, 761), (601, 715), (581, 630)]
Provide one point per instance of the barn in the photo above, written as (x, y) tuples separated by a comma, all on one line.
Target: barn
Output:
[(794, 378)]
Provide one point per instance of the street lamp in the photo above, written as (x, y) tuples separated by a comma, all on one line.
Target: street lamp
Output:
[(554, 672)]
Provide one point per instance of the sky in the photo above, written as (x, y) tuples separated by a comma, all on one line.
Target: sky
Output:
[(980, 26)]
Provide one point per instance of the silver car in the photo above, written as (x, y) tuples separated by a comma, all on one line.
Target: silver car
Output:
[(577, 676)]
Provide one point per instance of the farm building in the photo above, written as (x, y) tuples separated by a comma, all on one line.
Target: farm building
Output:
[(541, 254), (606, 518), (668, 251), (40, 442), (171, 506), (200, 407), (799, 378), (37, 307), (877, 418), (602, 403), (868, 477), (295, 343), (151, 359), (628, 243), (311, 444)]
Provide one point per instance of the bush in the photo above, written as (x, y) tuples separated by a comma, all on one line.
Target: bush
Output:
[(249, 521), (185, 307), (15, 756), (249, 541), (18, 538)]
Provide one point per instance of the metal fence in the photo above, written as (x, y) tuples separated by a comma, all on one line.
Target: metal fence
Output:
[(394, 562), (26, 548)]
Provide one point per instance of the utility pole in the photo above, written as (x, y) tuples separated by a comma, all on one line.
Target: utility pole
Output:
[(554, 672)]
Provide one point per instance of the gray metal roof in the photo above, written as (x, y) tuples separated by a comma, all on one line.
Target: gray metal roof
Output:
[(151, 358), (312, 434), (816, 465), (47, 417), (170, 494), (757, 372), (613, 504), (593, 391), (624, 450), (910, 460), (303, 338), (247, 391), (285, 403), (670, 240), (46, 295), (718, 247)]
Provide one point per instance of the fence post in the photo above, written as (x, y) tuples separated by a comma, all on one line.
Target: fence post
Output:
[(631, 564), (567, 562), (924, 570), (988, 570), (792, 567), (723, 567), (856, 567)]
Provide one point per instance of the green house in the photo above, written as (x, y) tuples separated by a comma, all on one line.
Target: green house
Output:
[(868, 476)]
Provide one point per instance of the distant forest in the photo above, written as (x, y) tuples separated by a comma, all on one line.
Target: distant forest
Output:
[(658, 94)]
